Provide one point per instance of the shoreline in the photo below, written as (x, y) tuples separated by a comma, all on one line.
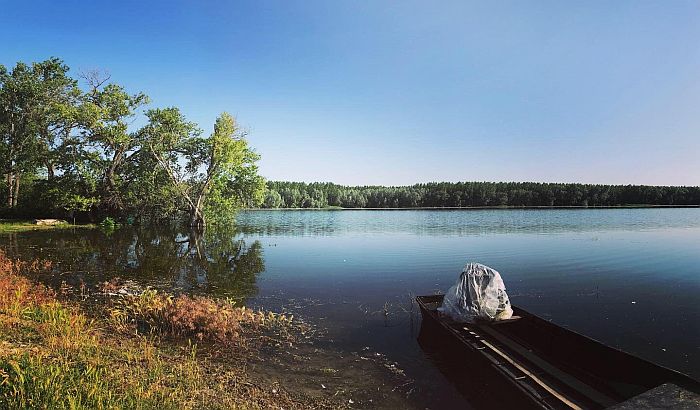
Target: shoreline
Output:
[(24, 225), (121, 344), (476, 208)]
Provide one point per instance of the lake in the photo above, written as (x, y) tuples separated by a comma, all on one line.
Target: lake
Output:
[(627, 277)]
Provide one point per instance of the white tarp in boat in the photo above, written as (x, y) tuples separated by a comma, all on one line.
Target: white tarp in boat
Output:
[(479, 294)]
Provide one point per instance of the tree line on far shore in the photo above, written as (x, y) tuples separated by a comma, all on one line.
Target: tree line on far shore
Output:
[(281, 194), (70, 147)]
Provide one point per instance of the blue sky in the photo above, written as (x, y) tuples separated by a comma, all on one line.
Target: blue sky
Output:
[(372, 92)]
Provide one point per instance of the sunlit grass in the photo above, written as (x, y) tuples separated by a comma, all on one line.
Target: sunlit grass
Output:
[(18, 225), (54, 356)]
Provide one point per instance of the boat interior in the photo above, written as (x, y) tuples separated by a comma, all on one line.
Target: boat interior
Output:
[(555, 367)]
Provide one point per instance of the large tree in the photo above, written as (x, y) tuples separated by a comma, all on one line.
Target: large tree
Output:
[(36, 107), (215, 173), (108, 144)]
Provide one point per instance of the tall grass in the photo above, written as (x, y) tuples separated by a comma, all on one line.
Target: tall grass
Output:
[(200, 318), (53, 356)]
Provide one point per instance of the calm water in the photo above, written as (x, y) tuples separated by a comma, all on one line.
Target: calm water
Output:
[(627, 277)]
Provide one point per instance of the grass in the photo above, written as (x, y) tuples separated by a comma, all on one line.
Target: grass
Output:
[(20, 225), (198, 318), (138, 355)]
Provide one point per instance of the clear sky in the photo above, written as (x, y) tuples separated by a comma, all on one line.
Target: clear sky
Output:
[(373, 92)]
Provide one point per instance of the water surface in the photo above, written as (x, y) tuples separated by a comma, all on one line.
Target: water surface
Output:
[(627, 277)]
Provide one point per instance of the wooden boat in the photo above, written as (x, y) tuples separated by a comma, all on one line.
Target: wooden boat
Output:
[(541, 365)]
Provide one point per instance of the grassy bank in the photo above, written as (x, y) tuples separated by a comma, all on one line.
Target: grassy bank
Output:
[(136, 351), (21, 225)]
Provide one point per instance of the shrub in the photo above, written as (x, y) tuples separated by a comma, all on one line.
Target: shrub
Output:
[(196, 317)]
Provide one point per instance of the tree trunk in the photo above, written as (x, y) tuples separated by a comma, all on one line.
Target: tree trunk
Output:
[(111, 199), (197, 218), (195, 241), (10, 189), (196, 211), (50, 171), (15, 197), (11, 164)]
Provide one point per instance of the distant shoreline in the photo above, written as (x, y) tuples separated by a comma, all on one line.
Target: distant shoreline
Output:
[(467, 208), (474, 195)]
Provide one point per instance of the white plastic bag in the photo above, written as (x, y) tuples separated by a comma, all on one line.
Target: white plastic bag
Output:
[(479, 294)]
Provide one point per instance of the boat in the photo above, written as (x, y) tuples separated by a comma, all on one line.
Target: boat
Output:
[(529, 362)]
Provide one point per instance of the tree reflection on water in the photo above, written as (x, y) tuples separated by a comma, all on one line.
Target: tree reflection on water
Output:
[(218, 262)]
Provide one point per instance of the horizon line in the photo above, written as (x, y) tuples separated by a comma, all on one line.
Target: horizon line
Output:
[(475, 181)]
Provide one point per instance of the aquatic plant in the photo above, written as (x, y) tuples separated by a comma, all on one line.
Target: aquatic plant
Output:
[(109, 225)]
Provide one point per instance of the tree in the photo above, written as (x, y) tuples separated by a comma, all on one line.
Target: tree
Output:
[(34, 101), (107, 144), (273, 199), (78, 203), (300, 194), (217, 172)]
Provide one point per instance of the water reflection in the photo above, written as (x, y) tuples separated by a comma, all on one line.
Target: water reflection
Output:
[(218, 262), (462, 222), (628, 278)]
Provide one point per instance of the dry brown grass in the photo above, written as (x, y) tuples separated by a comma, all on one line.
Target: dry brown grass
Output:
[(17, 292), (53, 355), (200, 318)]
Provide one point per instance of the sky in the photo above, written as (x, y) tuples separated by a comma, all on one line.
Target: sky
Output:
[(400, 92)]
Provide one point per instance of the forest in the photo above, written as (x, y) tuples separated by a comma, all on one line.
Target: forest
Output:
[(473, 194), (70, 148)]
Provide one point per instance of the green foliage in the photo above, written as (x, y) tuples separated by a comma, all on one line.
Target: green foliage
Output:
[(473, 194), (77, 152), (109, 224), (34, 111), (70, 152), (273, 199), (211, 176), (78, 203), (106, 146)]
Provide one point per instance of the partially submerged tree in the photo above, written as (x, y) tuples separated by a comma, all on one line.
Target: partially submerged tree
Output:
[(212, 176)]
